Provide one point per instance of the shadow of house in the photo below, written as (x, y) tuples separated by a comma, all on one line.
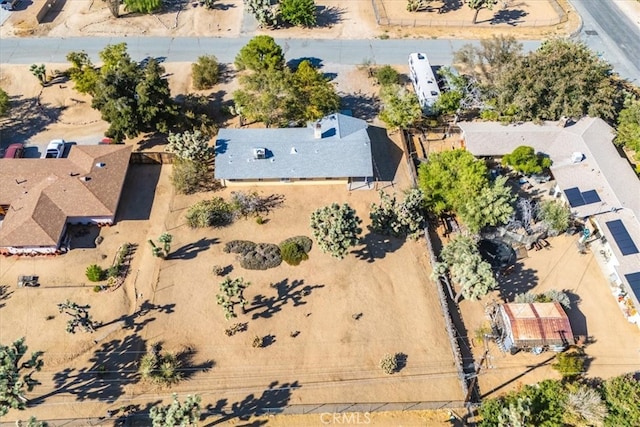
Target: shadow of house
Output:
[(82, 236), (510, 17), (577, 319), (386, 154), (518, 281), (293, 292), (113, 367), (191, 250), (138, 192), (27, 117), (377, 246), (272, 400), (327, 16)]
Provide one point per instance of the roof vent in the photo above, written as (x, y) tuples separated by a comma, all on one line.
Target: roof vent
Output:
[(293, 150), (101, 165), (577, 157), (259, 153), (317, 130)]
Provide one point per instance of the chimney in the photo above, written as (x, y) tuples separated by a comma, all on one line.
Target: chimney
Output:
[(317, 131)]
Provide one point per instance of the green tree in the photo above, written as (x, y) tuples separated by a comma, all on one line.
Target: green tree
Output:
[(231, 294), (192, 146), (312, 94), (561, 79), (4, 103), (260, 54), (336, 228), (32, 422), (265, 97), (82, 72), (142, 6), (570, 364), (462, 259), (177, 414), (190, 176), (40, 72), (205, 72), (555, 214), (300, 13), (16, 375), (95, 273), (492, 206), (417, 5), (584, 407), (479, 4), (449, 102), (80, 317), (400, 107), (621, 395), (399, 219), (449, 178), (628, 131), (525, 160), (156, 108), (387, 75)]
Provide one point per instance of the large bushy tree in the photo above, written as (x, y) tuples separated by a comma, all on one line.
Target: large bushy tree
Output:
[(479, 4), (312, 94), (400, 107), (628, 131), (493, 205), (183, 414), (260, 54), (4, 103), (524, 159), (486, 62), (621, 395), (336, 228), (555, 214), (142, 6), (205, 72), (300, 13), (399, 218), (449, 178), (16, 375)]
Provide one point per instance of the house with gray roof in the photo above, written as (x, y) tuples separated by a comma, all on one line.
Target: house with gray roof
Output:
[(333, 150), (591, 176)]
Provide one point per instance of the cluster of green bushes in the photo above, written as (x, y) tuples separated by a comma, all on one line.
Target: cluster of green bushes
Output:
[(95, 273), (262, 256), (217, 212)]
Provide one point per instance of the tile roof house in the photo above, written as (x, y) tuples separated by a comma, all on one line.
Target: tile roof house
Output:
[(334, 150), (592, 178), (39, 197)]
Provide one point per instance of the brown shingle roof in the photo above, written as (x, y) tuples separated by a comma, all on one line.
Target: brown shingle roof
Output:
[(44, 193)]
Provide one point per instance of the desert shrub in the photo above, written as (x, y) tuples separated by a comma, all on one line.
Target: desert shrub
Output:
[(97, 288), (262, 257), (259, 220), (570, 364), (189, 176), (389, 363), (292, 253), (218, 270), (113, 271), (95, 273), (209, 213), (235, 328), (303, 241), (387, 75), (251, 203), (238, 246), (205, 72), (257, 342), (163, 369)]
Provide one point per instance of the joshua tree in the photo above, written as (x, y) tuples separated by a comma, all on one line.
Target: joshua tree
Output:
[(40, 72), (165, 239), (79, 316), (231, 295), (15, 376)]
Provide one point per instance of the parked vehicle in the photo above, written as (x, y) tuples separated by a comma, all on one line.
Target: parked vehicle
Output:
[(55, 149), (14, 151)]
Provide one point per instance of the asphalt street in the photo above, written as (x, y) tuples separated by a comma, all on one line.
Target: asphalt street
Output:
[(187, 49), (608, 31)]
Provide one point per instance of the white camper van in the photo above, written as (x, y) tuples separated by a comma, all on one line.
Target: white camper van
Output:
[(424, 82)]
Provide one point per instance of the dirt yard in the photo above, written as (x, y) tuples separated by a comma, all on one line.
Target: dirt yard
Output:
[(336, 19)]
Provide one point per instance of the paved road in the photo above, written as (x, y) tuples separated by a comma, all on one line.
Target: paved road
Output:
[(609, 31), (348, 52)]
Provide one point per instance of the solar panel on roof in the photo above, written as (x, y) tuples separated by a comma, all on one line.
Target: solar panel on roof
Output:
[(634, 282), (574, 197), (622, 237), (590, 196)]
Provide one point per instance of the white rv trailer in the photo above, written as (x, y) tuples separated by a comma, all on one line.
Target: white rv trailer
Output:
[(424, 82)]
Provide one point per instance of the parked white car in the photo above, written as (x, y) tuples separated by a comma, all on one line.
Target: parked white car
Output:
[(55, 149)]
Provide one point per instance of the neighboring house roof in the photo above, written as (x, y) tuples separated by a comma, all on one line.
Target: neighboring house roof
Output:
[(44, 193), (344, 150), (538, 324), (602, 173)]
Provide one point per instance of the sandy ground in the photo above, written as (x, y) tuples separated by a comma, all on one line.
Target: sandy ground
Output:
[(336, 19)]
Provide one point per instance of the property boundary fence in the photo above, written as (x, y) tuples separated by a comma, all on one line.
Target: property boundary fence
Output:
[(383, 19), (151, 157)]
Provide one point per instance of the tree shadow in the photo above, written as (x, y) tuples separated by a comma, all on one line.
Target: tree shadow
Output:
[(327, 16), (135, 321), (361, 104), (5, 294), (450, 6), (517, 280), (293, 64), (386, 154), (27, 117), (188, 367), (223, 6), (191, 250), (510, 17), (113, 367), (267, 307), (273, 400), (401, 361), (377, 246)]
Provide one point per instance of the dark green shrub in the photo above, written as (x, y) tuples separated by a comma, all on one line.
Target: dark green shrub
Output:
[(205, 72), (210, 213), (259, 220), (97, 288), (387, 75), (262, 257), (303, 241), (94, 273), (239, 246), (113, 271), (292, 253)]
